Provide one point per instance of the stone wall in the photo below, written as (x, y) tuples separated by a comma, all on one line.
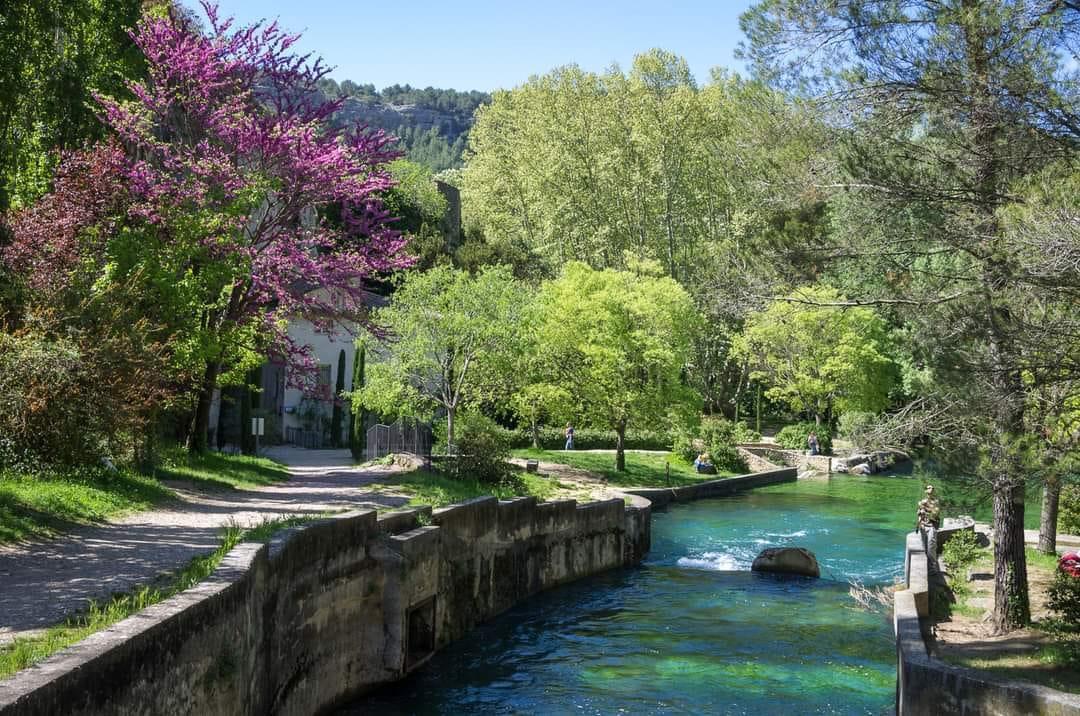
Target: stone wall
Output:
[(925, 685), (329, 611), (760, 455)]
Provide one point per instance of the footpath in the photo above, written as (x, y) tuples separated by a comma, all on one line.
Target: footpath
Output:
[(43, 582)]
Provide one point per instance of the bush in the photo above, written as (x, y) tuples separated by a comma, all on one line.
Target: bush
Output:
[(553, 438), (66, 403), (961, 550), (794, 437), (716, 436), (482, 450), (1064, 596), (1069, 510)]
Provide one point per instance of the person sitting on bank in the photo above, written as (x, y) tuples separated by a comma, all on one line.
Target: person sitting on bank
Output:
[(703, 464)]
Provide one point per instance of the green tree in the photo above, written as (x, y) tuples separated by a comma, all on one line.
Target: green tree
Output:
[(451, 335), (357, 413), (54, 55), (619, 342), (337, 416), (944, 108), (817, 358)]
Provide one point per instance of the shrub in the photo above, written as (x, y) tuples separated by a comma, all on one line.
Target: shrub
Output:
[(794, 436), (961, 550), (553, 438), (66, 403), (745, 434), (482, 450), (716, 436), (1069, 510), (1064, 593)]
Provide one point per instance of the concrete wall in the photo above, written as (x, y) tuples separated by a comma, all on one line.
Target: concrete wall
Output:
[(925, 685), (327, 612), (661, 496)]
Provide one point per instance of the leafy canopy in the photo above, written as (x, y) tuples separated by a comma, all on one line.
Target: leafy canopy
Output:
[(820, 358)]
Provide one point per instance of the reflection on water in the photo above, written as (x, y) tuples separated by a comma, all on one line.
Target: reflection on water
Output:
[(692, 630)]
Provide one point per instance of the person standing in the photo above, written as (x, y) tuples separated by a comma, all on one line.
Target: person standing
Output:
[(812, 442), (569, 437)]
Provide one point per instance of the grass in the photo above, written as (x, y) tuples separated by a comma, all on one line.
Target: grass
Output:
[(35, 505), (24, 652), (41, 505), (1044, 665), (642, 469), (428, 488), (219, 471)]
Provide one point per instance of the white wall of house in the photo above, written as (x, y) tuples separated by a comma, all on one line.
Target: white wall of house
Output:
[(326, 350)]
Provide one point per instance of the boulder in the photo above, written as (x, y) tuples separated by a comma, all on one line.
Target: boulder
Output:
[(787, 560)]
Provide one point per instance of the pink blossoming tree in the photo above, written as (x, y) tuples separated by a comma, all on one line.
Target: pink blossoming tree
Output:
[(232, 157)]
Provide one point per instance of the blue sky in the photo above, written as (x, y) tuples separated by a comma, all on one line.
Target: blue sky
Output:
[(487, 45)]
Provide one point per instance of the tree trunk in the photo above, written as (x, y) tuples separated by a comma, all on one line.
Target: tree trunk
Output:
[(196, 443), (620, 439), (1049, 516), (1011, 607), (535, 434), (247, 437), (450, 449)]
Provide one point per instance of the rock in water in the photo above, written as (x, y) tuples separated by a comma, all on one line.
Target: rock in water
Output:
[(787, 560)]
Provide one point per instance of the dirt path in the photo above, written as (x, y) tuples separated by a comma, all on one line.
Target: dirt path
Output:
[(43, 582)]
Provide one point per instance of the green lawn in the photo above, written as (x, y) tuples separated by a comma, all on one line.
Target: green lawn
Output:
[(643, 469), (41, 505), (24, 652), (427, 488), (216, 470)]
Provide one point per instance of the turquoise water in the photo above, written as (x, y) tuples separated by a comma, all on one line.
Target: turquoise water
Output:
[(693, 630)]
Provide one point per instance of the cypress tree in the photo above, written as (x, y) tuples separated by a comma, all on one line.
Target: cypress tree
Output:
[(357, 416), (336, 416)]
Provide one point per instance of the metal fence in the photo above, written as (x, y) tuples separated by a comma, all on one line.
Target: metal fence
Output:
[(403, 436), (311, 439)]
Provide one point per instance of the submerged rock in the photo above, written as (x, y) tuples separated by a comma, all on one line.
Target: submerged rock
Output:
[(787, 560)]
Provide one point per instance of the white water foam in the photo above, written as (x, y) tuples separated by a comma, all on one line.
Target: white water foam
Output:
[(714, 561), (800, 533)]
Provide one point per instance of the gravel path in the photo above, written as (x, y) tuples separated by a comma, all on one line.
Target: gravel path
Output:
[(43, 582)]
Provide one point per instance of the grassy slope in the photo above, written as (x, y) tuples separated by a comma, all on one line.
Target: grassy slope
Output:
[(643, 469), (36, 505), (219, 471)]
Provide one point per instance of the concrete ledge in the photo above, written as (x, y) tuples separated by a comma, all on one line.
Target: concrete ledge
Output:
[(661, 496)]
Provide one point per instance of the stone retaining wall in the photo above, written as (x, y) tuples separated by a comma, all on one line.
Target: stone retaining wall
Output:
[(760, 455), (925, 685), (329, 611)]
